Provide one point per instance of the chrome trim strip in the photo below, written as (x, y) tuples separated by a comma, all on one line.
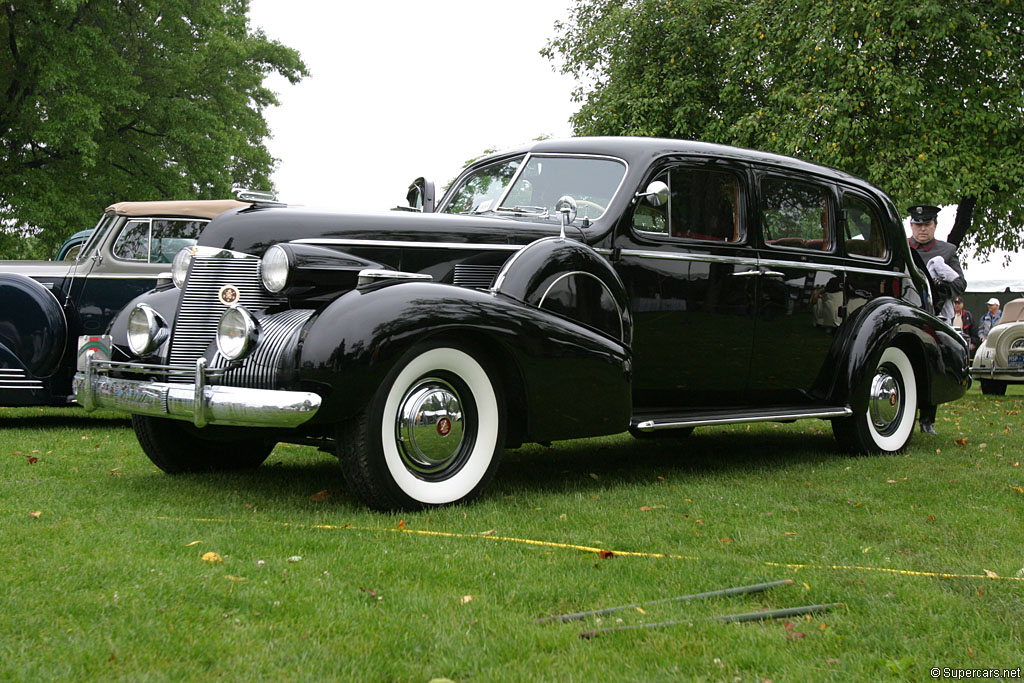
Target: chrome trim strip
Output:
[(369, 275), (752, 261), (338, 241), (215, 405), (499, 279), (673, 256), (671, 423)]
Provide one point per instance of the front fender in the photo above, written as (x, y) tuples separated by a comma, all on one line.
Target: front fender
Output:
[(164, 300), (560, 379), (938, 353)]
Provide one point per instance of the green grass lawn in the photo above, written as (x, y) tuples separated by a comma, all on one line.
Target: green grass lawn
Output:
[(102, 572)]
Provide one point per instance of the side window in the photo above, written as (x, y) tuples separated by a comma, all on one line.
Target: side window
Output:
[(133, 242), (703, 204), (864, 233), (794, 214), (481, 190), (170, 236)]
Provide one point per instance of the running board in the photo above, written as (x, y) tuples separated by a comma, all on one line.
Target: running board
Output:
[(650, 423)]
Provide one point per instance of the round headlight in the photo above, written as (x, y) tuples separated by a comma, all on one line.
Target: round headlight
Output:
[(236, 333), (146, 330), (179, 267), (274, 269)]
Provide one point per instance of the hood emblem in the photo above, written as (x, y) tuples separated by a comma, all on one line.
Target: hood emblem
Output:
[(229, 295)]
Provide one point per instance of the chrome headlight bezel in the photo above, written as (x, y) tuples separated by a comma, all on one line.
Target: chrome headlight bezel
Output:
[(146, 330), (237, 332), (180, 264), (274, 269)]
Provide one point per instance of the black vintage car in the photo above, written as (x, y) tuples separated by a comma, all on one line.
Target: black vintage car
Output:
[(569, 289), (46, 305)]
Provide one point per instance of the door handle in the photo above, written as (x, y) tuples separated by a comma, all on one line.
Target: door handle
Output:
[(772, 273), (748, 273)]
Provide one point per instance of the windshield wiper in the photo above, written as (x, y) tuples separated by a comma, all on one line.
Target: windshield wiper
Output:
[(541, 211)]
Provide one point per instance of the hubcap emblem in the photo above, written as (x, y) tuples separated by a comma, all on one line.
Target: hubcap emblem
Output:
[(444, 426)]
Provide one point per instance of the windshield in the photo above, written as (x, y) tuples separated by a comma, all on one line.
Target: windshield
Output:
[(531, 186), (97, 233)]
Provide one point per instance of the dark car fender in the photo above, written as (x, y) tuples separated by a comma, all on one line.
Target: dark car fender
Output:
[(937, 353), (33, 326), (164, 300), (559, 379)]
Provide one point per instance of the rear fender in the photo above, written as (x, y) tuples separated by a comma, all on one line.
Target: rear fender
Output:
[(567, 380), (938, 353)]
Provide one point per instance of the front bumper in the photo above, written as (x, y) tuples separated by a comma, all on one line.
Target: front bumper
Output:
[(199, 403)]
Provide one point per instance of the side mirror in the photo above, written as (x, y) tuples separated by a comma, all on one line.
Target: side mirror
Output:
[(421, 195), (656, 194), (566, 206)]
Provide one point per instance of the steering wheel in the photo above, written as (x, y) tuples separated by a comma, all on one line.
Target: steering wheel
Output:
[(593, 205)]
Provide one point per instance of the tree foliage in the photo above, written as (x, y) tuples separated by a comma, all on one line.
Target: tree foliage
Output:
[(924, 98), (111, 100)]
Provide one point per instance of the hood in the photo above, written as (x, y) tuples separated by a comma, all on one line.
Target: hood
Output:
[(254, 230)]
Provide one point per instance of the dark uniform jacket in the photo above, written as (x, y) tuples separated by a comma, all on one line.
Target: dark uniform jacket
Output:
[(928, 251)]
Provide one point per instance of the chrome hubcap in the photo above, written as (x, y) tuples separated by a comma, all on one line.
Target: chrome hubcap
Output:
[(430, 426), (886, 400)]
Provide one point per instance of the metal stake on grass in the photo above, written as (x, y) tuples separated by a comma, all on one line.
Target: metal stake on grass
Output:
[(746, 616), (755, 588)]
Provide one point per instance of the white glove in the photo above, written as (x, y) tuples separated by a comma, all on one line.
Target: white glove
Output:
[(940, 270)]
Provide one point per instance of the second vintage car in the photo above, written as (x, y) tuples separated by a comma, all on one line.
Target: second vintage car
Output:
[(567, 289), (46, 305), (999, 360)]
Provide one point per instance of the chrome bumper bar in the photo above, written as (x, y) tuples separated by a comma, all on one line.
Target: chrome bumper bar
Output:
[(990, 372), (198, 403)]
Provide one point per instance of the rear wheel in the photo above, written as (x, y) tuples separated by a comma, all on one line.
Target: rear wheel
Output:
[(176, 447), (993, 387), (886, 423), (431, 435)]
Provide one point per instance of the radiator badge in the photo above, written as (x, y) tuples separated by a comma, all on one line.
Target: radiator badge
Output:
[(229, 295)]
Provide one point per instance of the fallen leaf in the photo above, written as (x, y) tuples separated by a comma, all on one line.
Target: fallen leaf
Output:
[(229, 577), (295, 558), (726, 539), (465, 598), (32, 460), (833, 660), (401, 524), (36, 513), (189, 545), (1017, 489), (487, 533), (789, 533), (991, 574), (796, 635), (212, 557), (321, 495), (605, 554), (788, 625), (962, 442), (645, 508)]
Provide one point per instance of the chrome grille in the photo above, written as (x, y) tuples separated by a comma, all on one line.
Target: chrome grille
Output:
[(475, 276), (17, 379), (195, 326)]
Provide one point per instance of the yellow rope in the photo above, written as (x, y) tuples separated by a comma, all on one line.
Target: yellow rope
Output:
[(608, 553)]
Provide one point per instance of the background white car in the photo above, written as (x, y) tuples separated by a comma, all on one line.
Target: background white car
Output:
[(1000, 358)]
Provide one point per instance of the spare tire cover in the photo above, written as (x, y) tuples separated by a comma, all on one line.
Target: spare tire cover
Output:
[(32, 323)]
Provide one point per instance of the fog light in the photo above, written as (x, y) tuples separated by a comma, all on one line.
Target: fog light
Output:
[(236, 333), (147, 330)]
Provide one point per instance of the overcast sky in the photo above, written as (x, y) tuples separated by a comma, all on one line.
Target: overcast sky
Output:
[(403, 89)]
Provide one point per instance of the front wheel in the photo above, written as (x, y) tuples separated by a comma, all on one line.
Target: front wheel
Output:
[(886, 423), (177, 447), (993, 387), (431, 435)]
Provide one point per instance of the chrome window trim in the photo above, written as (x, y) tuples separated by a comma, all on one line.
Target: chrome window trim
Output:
[(339, 241), (449, 193), (526, 160), (149, 244)]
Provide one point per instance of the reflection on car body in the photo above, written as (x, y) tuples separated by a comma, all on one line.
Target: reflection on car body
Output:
[(568, 289)]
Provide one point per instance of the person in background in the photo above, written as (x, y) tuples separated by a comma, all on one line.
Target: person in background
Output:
[(945, 270), (963, 322), (990, 319)]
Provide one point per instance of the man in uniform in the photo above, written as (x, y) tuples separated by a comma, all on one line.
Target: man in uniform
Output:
[(946, 272)]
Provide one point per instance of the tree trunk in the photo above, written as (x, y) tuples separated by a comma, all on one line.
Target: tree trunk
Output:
[(962, 223)]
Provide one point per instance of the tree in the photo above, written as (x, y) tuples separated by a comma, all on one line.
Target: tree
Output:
[(110, 100), (924, 98)]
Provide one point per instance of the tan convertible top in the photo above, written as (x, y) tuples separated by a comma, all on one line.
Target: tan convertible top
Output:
[(195, 208), (1013, 311)]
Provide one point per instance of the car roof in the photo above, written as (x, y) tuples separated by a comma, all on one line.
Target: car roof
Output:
[(198, 208), (1013, 311)]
